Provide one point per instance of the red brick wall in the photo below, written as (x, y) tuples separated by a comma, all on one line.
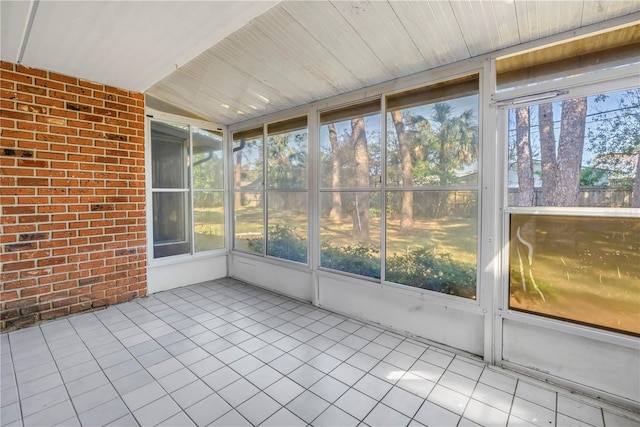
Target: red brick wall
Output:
[(72, 195)]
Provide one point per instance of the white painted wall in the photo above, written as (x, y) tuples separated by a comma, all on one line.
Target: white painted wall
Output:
[(457, 325), (272, 275), (610, 370), (185, 271)]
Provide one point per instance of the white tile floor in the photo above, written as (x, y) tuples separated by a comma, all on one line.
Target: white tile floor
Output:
[(224, 353)]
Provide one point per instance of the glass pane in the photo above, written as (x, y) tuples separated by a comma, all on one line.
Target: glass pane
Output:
[(249, 222), (433, 144), (576, 152), (169, 153), (208, 170), (171, 234), (350, 232), (582, 269), (287, 159), (350, 153), (432, 240), (287, 225), (208, 213), (247, 162)]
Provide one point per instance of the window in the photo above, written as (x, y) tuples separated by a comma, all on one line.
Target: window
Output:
[(574, 257), (350, 196), (187, 196), (248, 186), (431, 193), (271, 190)]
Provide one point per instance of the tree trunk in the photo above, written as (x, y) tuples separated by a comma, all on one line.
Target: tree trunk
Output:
[(525, 162), (548, 153), (237, 180), (336, 198), (406, 217), (635, 198), (361, 212), (572, 128)]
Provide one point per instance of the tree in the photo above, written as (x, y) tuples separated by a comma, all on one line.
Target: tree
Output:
[(615, 137), (570, 149), (361, 212), (336, 198), (237, 176), (525, 161), (548, 153), (406, 218)]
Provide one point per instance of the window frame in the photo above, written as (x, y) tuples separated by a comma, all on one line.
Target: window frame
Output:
[(152, 115), (597, 82)]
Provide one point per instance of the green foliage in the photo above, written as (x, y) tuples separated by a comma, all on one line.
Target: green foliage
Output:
[(363, 259), (591, 176), (282, 242), (422, 269), (419, 268)]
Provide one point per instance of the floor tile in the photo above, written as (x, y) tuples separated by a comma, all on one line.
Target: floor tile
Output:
[(329, 388), (532, 413), (131, 382), (144, 395), (347, 374), (580, 411), (264, 376), (484, 414), (258, 408), (373, 386), (384, 416), (104, 414), (246, 365), (307, 406), (191, 393), (282, 363), (232, 419), (355, 403), (156, 411), (498, 380), (178, 420), (538, 395), (431, 414), (205, 366), (457, 382), (335, 417), (51, 415), (283, 418), (403, 401), (416, 384), (238, 392), (96, 397), (43, 400)]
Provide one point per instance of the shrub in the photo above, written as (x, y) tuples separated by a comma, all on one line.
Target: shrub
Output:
[(422, 269), (360, 259)]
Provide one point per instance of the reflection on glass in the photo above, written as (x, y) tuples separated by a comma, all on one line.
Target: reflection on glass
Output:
[(287, 215), (287, 159), (249, 222), (349, 243), (350, 153), (439, 252), (577, 152), (433, 144), (208, 212), (169, 151), (582, 269), (208, 171), (171, 234)]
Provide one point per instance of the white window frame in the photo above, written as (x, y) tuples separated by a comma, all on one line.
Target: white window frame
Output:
[(158, 116)]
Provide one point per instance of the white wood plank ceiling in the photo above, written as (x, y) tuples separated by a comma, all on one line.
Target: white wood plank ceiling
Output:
[(232, 61)]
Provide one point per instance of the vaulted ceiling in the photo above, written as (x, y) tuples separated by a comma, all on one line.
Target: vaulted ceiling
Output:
[(228, 61)]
